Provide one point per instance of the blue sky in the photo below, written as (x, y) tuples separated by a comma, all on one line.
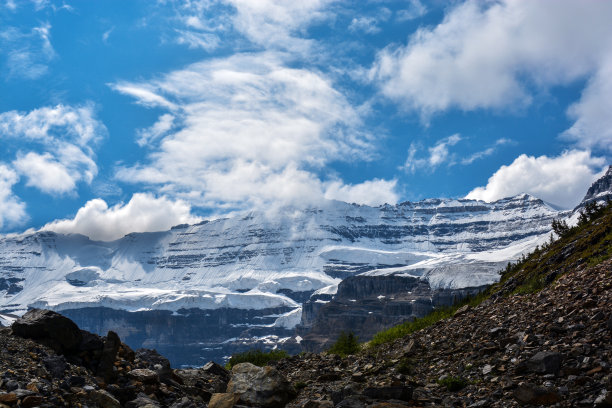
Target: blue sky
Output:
[(120, 116)]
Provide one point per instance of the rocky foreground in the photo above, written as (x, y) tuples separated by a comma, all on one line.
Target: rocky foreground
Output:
[(548, 348)]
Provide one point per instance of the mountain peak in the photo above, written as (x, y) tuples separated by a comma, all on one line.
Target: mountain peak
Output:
[(600, 190)]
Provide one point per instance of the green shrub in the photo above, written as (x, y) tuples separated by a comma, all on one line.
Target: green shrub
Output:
[(453, 384), (405, 366), (345, 345), (257, 357)]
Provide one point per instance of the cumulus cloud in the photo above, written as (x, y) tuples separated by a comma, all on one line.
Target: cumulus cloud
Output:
[(55, 145), (247, 131), (143, 213), (593, 121), (12, 210), (559, 180), (371, 192), (45, 173), (493, 54)]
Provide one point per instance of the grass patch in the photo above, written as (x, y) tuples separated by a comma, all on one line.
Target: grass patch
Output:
[(453, 384), (432, 318), (257, 357), (346, 345)]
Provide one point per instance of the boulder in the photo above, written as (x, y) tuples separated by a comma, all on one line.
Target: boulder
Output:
[(223, 400), (144, 375), (107, 359), (260, 386), (533, 395), (215, 369), (545, 362), (152, 360), (55, 365), (142, 402), (49, 328), (104, 399)]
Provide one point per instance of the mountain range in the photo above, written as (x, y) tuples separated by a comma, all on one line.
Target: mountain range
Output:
[(199, 292)]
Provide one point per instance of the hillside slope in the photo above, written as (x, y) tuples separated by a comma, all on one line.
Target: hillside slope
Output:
[(545, 343)]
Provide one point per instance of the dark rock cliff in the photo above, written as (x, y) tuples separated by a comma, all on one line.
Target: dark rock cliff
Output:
[(366, 305)]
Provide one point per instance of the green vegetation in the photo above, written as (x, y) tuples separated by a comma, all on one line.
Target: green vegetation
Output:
[(346, 344), (257, 357), (406, 366), (453, 384), (589, 243), (435, 316), (299, 385)]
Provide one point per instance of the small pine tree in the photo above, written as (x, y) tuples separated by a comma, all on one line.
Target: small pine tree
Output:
[(561, 228), (345, 345)]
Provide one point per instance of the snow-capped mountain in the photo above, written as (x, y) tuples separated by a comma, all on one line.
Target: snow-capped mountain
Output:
[(249, 275), (259, 261)]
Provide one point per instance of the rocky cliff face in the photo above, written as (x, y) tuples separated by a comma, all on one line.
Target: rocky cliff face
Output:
[(601, 190), (365, 305)]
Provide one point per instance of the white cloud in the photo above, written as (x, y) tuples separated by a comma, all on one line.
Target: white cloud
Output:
[(45, 173), (371, 192), (368, 25), (592, 113), (55, 145), (206, 41), (28, 53), (438, 154), (248, 131), (486, 152), (143, 95), (143, 213), (158, 129), (493, 54), (561, 180), (12, 210), (414, 10), (271, 24), (107, 33)]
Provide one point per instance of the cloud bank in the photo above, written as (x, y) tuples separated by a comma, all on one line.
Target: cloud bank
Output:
[(495, 55), (561, 180), (143, 213), (248, 131)]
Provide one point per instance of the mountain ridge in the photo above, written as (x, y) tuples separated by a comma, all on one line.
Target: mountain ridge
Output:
[(253, 274)]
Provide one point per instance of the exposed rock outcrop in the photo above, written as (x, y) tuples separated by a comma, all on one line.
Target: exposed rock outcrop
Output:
[(366, 305)]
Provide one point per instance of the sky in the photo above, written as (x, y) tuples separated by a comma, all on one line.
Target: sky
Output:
[(119, 116)]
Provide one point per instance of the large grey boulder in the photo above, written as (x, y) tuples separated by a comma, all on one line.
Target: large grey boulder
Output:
[(49, 328), (260, 386), (545, 362)]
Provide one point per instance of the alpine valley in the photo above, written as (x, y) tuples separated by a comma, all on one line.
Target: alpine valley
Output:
[(293, 278)]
